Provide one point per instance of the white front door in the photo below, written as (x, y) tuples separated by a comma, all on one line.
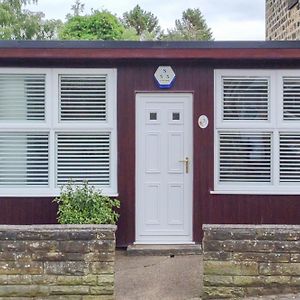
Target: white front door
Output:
[(164, 168)]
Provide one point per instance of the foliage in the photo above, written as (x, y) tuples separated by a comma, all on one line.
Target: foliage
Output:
[(100, 25), (19, 23), (145, 23), (85, 205), (49, 29), (191, 27), (130, 34)]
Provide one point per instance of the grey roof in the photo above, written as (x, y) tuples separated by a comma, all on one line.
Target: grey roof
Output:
[(150, 44)]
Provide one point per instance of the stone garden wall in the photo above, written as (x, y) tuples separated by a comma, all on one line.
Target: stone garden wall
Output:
[(250, 260), (57, 262)]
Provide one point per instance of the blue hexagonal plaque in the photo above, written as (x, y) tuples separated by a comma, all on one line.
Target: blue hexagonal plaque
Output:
[(164, 77)]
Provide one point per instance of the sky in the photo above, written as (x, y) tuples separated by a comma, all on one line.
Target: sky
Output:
[(228, 19)]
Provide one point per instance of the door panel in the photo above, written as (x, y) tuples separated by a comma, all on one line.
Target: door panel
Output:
[(164, 181), (153, 148)]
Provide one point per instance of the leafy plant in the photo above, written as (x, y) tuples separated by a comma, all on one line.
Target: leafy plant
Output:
[(100, 25), (85, 205)]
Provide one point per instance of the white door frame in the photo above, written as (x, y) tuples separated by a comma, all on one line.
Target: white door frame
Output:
[(188, 179)]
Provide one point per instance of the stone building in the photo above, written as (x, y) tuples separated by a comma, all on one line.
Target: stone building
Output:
[(282, 20)]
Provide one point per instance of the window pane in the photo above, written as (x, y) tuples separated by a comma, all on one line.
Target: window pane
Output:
[(22, 97), (83, 98), (153, 116), (83, 156), (245, 157), (245, 98), (176, 116), (23, 159), (291, 98), (290, 157)]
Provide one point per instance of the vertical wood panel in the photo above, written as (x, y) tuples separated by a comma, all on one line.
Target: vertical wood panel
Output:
[(26, 211)]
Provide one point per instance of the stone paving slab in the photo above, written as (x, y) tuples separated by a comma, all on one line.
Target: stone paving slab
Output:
[(276, 297), (157, 277), (271, 297)]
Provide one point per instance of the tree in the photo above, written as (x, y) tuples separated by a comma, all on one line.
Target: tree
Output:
[(49, 29), (100, 25), (145, 23), (191, 27), (19, 23), (77, 8)]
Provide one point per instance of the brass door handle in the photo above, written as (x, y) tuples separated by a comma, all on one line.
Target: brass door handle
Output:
[(186, 162)]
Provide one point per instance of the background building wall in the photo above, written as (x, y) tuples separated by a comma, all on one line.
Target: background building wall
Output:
[(282, 20)]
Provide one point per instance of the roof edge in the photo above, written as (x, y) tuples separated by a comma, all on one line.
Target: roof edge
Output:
[(53, 44)]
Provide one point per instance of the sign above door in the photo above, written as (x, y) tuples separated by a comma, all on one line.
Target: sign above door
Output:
[(164, 77)]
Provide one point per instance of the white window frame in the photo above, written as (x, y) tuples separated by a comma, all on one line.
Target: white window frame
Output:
[(52, 125), (275, 125)]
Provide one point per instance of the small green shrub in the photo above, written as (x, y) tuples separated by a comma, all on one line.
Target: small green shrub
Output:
[(85, 205)]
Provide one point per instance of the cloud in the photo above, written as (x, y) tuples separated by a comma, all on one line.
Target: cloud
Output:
[(239, 30)]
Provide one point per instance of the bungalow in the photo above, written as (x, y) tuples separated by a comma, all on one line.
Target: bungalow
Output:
[(183, 133)]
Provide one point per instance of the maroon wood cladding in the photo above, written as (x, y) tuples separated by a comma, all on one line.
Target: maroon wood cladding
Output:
[(196, 77), (156, 53), (26, 211)]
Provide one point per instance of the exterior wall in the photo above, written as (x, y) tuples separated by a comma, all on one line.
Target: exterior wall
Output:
[(57, 262), (197, 77), (282, 22), (26, 211), (250, 260)]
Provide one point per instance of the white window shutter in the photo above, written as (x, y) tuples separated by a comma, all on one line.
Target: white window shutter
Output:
[(291, 98), (244, 157), (245, 98), (22, 97), (83, 97), (23, 159), (83, 157), (290, 157)]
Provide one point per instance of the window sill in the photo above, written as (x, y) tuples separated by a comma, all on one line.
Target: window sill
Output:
[(254, 192), (41, 193)]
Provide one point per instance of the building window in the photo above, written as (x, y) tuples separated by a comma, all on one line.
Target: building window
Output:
[(57, 125), (257, 131)]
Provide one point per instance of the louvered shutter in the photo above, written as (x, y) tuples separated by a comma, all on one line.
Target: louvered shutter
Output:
[(244, 157), (22, 97), (289, 157), (83, 97), (23, 159), (245, 98), (291, 98), (83, 157)]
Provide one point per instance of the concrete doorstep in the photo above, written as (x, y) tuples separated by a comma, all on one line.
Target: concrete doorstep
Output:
[(164, 250), (154, 277)]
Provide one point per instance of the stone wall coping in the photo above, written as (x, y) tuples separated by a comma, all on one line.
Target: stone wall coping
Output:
[(249, 226), (59, 227)]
